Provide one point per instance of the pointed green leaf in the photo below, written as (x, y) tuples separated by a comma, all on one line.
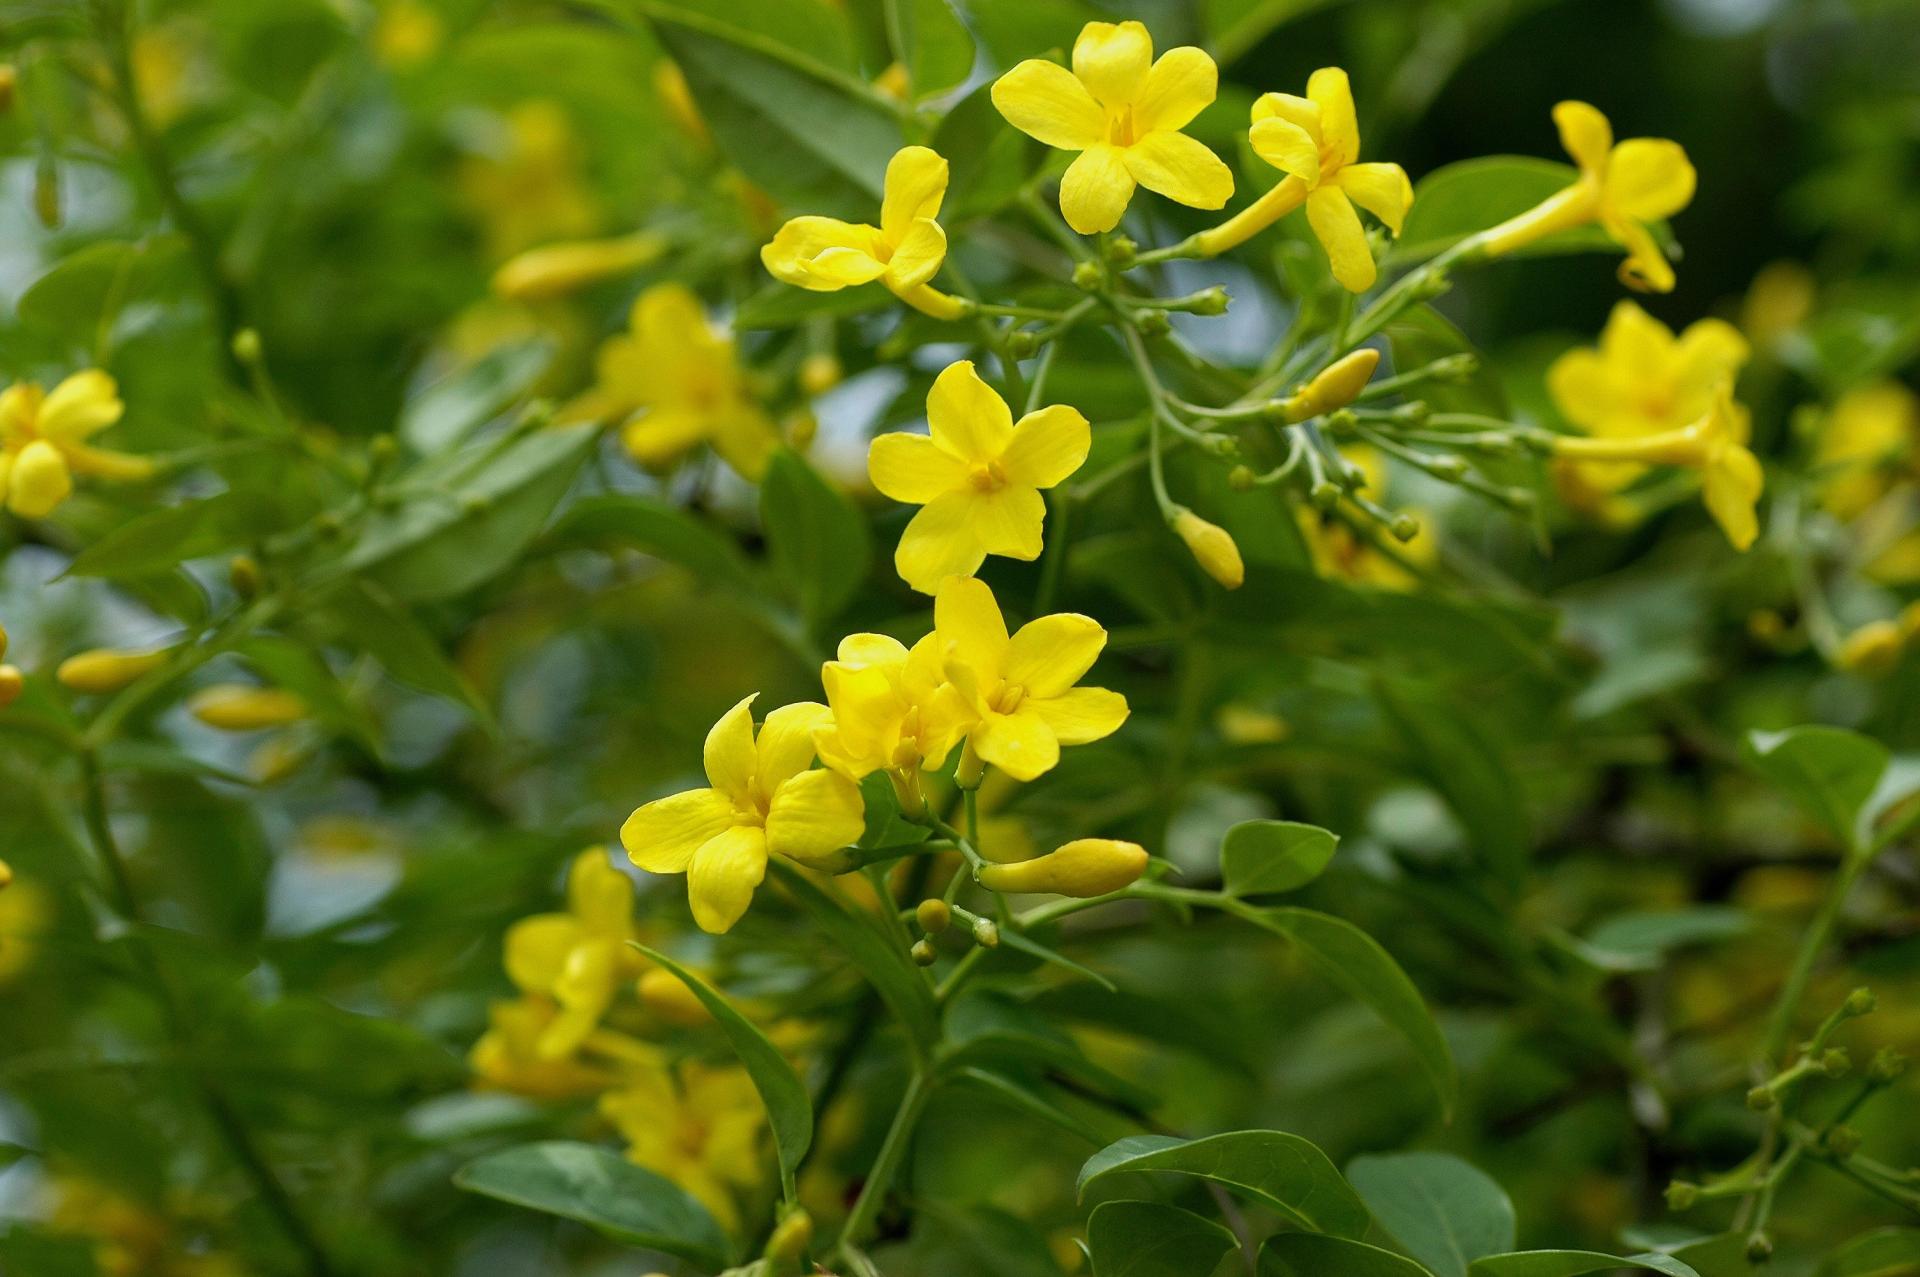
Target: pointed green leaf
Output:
[(1829, 771), (1573, 1263), (1264, 857), (1883, 1252), (1147, 1239), (900, 984), (1284, 1171), (1443, 1211), (818, 539), (1317, 1255)]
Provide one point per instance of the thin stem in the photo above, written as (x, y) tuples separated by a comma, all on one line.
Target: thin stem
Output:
[(1780, 1024), (892, 1150)]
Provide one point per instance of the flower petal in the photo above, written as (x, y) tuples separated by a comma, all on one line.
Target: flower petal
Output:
[(1338, 229), (918, 256), (815, 814), (1096, 189), (1046, 102), (1047, 446), (1180, 168), (729, 755), (1019, 744), (745, 439), (965, 415), (1287, 147), (661, 836), (939, 542), (1585, 134), (599, 894), (657, 437), (916, 182), (1050, 653), (1647, 179), (972, 632), (1329, 90), (1645, 268), (1708, 353), (1381, 189), (39, 480), (536, 950), (1112, 59), (795, 254), (1180, 84), (1292, 108), (1083, 714), (83, 404), (785, 746), (860, 651), (1585, 388), (724, 872), (1009, 522), (913, 468), (1731, 486)]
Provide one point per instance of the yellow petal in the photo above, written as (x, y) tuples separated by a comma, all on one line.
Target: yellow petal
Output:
[(19, 409), (966, 417), (913, 468), (939, 542), (536, 950), (1585, 134), (1645, 268), (1049, 654), (81, 405), (785, 747), (1009, 522), (1706, 355), (844, 268), (1111, 59), (104, 463), (971, 630), (1082, 714), (1044, 101), (599, 894), (1732, 485), (1585, 388), (795, 254), (1329, 90), (814, 814), (1047, 446), (584, 990), (918, 257), (724, 872), (1180, 85), (744, 438), (1381, 189), (1337, 227), (661, 836), (1178, 167), (916, 183), (729, 754), (1647, 179), (658, 436), (39, 480), (1287, 147), (1096, 189), (862, 650), (1019, 744), (1303, 112)]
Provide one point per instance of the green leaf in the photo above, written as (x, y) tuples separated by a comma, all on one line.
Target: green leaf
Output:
[(1316, 1255), (1461, 199), (988, 160), (1640, 940), (86, 287), (1284, 1171), (1147, 1239), (1573, 1263), (1828, 771), (937, 48), (900, 984), (1459, 760), (603, 1190), (1355, 961), (1236, 26), (1024, 1098), (368, 619), (662, 530), (167, 537), (1884, 1252), (1421, 335), (789, 1110), (818, 540), (446, 412), (1262, 857), (1441, 1210), (1032, 948), (293, 665), (784, 306), (807, 34)]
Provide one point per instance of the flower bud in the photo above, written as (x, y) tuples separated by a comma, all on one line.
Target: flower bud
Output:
[(1860, 1001), (986, 933), (667, 996), (1404, 527), (1843, 1141), (1213, 548), (6, 875), (12, 683), (554, 270), (924, 953), (1085, 867), (3, 641), (1456, 368), (1023, 344), (1886, 1066), (1835, 1062), (277, 758), (102, 670), (1872, 649), (1152, 323), (819, 372), (801, 427), (791, 1237), (46, 192), (1087, 276), (244, 575), (1761, 1098), (933, 916), (1121, 251), (246, 346), (235, 707), (1681, 1195), (1241, 479), (1213, 301), (1759, 1248), (1336, 385)]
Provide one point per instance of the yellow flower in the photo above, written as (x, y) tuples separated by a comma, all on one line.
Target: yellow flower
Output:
[(1778, 301), (904, 252), (530, 189), (26, 913), (554, 270), (579, 958), (1870, 430), (1315, 140), (43, 441), (1623, 187), (1337, 551), (763, 801), (407, 33), (507, 1057), (1022, 688), (977, 476), (12, 684), (1123, 111), (677, 384), (704, 1134), (1083, 867), (1641, 380), (236, 707), (893, 708), (1874, 649)]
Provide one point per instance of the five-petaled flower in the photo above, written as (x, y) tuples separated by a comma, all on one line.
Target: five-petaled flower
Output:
[(1622, 187), (1123, 111), (578, 958), (976, 475), (1022, 687), (904, 252), (43, 441), (893, 708), (703, 1132), (764, 800)]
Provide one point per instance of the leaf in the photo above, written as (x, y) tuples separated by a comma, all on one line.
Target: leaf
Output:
[(86, 287), (164, 538), (1237, 26), (1017, 940), (373, 623), (1421, 335), (1148, 1239), (819, 542), (293, 665), (1316, 1255), (1456, 757), (784, 306), (446, 412), (1828, 771), (1441, 1210), (1883, 1252), (1283, 1171), (988, 160), (789, 1110), (1355, 961), (1572, 1263), (1640, 940), (1263, 857), (662, 530), (893, 976), (1022, 1097), (936, 48), (602, 1189), (1461, 199)]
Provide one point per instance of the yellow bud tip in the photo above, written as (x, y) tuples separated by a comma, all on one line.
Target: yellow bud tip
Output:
[(246, 346), (102, 670), (555, 270), (790, 1239), (235, 707), (819, 373), (12, 683), (1085, 867), (3, 641), (1213, 548), (1873, 649), (9, 80), (244, 575), (1336, 385)]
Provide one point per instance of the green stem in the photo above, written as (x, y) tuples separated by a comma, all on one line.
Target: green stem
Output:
[(1780, 1024), (885, 1166)]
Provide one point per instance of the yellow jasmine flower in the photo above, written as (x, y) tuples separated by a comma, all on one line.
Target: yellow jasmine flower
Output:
[(1123, 111), (1623, 187), (977, 476), (1315, 140), (704, 1134), (763, 801), (1867, 434), (508, 1056), (893, 710), (1084, 867), (675, 381), (904, 252), (43, 441), (579, 958), (1022, 687), (1874, 649), (532, 189)]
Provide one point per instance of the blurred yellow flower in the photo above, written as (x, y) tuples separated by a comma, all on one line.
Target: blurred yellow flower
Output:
[(407, 33), (1778, 301), (676, 99), (26, 913), (100, 670), (43, 441), (1123, 111), (764, 801), (1867, 435), (579, 958), (531, 190), (507, 1057), (704, 1133), (1338, 551), (1621, 187), (893, 708), (554, 270), (977, 476), (1023, 687), (237, 707)]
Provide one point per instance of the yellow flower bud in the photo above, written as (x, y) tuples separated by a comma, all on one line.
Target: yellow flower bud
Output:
[(893, 82), (1873, 649), (1336, 386), (554, 270), (668, 997), (819, 373), (102, 669), (1212, 547), (9, 80), (243, 573), (934, 916), (1084, 867), (12, 683), (790, 1238), (6, 875), (235, 707)]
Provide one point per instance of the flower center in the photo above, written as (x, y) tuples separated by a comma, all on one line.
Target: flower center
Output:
[(1120, 129), (1006, 698), (988, 477)]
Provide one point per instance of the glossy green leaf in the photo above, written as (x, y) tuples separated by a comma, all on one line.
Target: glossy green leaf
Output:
[(1884, 1252), (446, 412), (1443, 1211), (1573, 1263), (1147, 1239), (936, 48), (900, 984), (1023, 943), (1829, 771), (1263, 857), (1318, 1255), (1283, 1171), (84, 288), (1640, 940), (366, 618), (162, 539), (818, 540)]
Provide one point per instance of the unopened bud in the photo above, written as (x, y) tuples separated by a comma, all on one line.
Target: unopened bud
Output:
[(243, 574), (802, 428), (1456, 367), (1860, 1001), (9, 85), (1324, 495), (1843, 1141), (986, 933), (3, 640), (1121, 251), (1759, 1248), (1835, 1062), (278, 758), (1887, 1064), (790, 1239), (1404, 527), (1084, 867), (1761, 1098), (6, 875), (1343, 424), (1213, 548), (923, 953), (1335, 386), (236, 707), (46, 192), (12, 683), (1681, 1195), (1873, 649), (1152, 323), (667, 996), (1023, 344), (1240, 479), (933, 916), (1214, 301), (1088, 276), (103, 670), (554, 270), (820, 372), (246, 346), (1446, 467)]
